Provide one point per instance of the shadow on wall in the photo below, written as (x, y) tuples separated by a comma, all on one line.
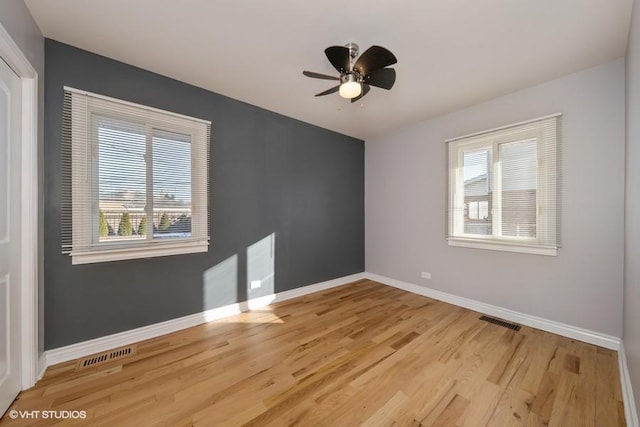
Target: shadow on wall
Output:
[(220, 282)]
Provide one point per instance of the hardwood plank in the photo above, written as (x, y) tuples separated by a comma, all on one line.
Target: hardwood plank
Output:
[(360, 354), (450, 415)]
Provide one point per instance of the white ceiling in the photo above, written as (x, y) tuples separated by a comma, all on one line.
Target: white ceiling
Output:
[(451, 53)]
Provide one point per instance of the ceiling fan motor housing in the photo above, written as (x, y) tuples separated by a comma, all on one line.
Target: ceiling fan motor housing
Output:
[(351, 76)]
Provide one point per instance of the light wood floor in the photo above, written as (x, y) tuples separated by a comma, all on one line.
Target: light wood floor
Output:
[(361, 354)]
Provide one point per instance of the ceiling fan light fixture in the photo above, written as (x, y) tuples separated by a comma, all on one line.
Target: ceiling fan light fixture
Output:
[(350, 90), (350, 87)]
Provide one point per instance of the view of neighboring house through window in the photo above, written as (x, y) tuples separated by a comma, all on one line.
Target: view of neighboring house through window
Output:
[(504, 188), (477, 192), (138, 180)]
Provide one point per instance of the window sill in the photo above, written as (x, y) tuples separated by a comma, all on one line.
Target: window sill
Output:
[(502, 246), (135, 252)]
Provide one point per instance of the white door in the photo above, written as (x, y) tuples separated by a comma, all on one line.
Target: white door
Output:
[(10, 146)]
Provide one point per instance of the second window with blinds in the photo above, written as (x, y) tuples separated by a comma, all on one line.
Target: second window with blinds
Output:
[(137, 180), (504, 188)]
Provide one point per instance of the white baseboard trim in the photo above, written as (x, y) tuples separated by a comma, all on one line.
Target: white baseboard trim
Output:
[(42, 365), (630, 412), (597, 338), (97, 345)]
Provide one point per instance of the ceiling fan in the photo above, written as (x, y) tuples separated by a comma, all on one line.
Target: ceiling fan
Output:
[(356, 81)]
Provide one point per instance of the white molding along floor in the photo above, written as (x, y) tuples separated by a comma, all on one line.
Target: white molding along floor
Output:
[(97, 345), (630, 411), (597, 338), (591, 337), (78, 350)]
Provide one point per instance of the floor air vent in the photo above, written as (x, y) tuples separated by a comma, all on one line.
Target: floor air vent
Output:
[(107, 356), (500, 323)]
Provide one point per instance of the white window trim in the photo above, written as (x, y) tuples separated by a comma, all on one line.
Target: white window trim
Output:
[(501, 246), (134, 251), (492, 139), (85, 206)]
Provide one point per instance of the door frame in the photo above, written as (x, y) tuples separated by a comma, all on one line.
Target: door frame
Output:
[(15, 58)]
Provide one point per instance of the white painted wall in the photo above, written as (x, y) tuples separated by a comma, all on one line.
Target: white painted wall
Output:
[(631, 335), (17, 20), (405, 197)]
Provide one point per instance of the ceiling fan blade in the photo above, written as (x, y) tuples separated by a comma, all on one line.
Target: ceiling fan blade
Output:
[(319, 76), (373, 59), (384, 78), (339, 57), (365, 90), (328, 91)]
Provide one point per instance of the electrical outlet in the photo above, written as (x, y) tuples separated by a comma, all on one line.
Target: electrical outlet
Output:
[(255, 284), (426, 275)]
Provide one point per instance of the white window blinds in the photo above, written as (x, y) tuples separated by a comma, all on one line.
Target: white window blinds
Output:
[(135, 180), (505, 188)]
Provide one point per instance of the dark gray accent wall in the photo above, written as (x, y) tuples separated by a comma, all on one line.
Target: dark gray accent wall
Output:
[(269, 175)]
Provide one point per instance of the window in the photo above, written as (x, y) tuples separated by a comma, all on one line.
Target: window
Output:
[(135, 180), (504, 188)]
